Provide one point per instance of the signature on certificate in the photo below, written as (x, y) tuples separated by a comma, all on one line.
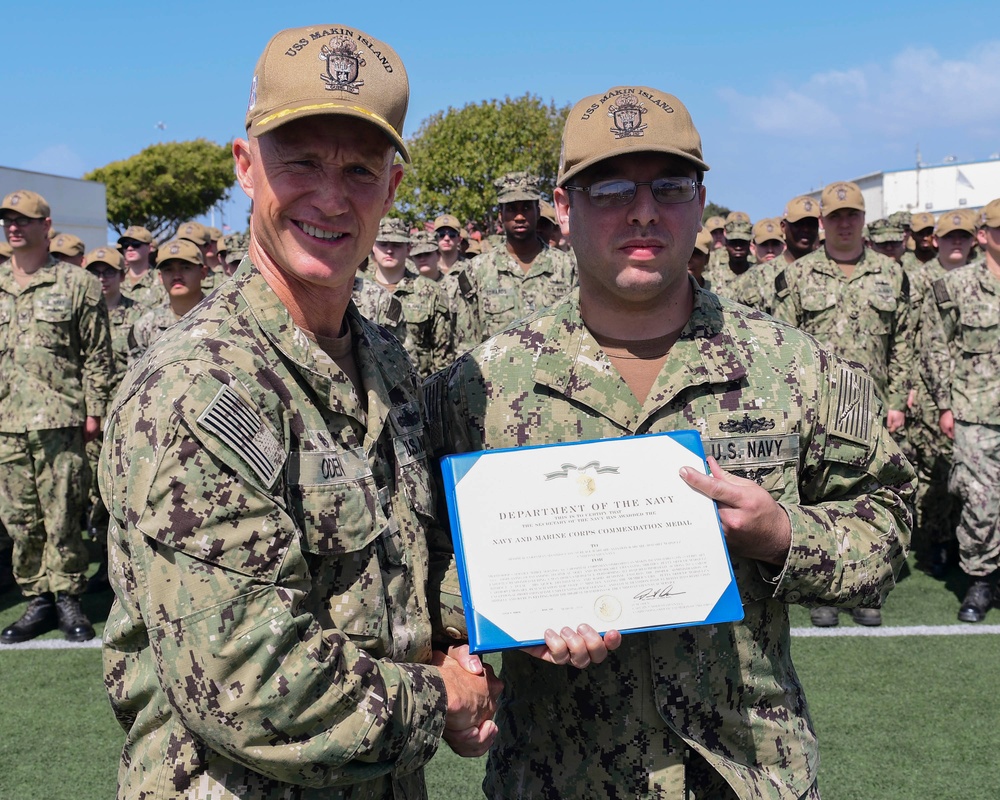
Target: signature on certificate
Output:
[(658, 593)]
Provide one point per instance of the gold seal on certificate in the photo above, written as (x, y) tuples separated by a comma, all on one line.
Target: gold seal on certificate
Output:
[(604, 533)]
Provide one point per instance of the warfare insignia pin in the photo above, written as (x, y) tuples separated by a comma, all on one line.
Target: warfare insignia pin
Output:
[(343, 62), (627, 114)]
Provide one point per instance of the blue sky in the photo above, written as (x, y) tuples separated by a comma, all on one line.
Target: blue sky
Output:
[(787, 96)]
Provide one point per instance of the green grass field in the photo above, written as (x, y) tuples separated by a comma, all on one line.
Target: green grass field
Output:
[(912, 717)]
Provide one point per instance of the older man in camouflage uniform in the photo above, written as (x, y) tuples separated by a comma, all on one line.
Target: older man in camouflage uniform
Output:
[(856, 303), (268, 483), (55, 371), (713, 711), (519, 277), (962, 365)]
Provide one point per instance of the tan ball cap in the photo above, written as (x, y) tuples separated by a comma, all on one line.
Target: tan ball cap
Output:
[(137, 233), (26, 203), (766, 230), (329, 69), (179, 250), (703, 241), (447, 221), (714, 224), (194, 232), (842, 194), (955, 221), (800, 208), (627, 119), (66, 244), (921, 222), (991, 214), (106, 255)]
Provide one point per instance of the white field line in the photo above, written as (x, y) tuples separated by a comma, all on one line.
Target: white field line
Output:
[(805, 633)]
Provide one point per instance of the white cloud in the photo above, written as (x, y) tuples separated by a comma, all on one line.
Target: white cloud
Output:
[(917, 90), (59, 159)]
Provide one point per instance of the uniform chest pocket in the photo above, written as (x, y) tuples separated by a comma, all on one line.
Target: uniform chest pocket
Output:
[(417, 313), (817, 300), (6, 315), (980, 329), (53, 320), (498, 301), (333, 497), (883, 307)]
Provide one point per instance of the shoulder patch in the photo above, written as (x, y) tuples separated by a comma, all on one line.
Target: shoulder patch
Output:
[(781, 284), (394, 311), (941, 295), (465, 284), (230, 418), (852, 417)]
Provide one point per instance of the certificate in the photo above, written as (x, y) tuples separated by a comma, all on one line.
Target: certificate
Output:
[(602, 532)]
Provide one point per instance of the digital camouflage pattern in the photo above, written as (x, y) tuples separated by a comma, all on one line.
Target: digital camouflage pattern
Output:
[(380, 306), (150, 326), (726, 694), (724, 282), (961, 357), (864, 318), (428, 322), (756, 286), (498, 292), (55, 349), (148, 291), (42, 490), (270, 632)]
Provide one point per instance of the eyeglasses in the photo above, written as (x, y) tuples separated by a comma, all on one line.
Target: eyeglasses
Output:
[(446, 233), (621, 192), (102, 273), (21, 222), (126, 244)]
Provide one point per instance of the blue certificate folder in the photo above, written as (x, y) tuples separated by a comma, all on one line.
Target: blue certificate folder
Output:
[(485, 634)]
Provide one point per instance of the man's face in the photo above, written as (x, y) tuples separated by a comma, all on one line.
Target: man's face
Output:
[(893, 250), (519, 219), (718, 238), (923, 240), (319, 186), (738, 249), (769, 250), (697, 264), (110, 278), (801, 235), (26, 233), (426, 263), (636, 254), (135, 253), (953, 248), (989, 238), (845, 229), (447, 239), (182, 279), (390, 255)]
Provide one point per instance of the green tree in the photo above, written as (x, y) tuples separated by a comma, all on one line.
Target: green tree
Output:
[(166, 184), (714, 210), (458, 153)]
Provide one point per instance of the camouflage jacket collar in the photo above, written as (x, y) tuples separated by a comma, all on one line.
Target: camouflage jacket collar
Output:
[(376, 364), (987, 278), (869, 263), (542, 264), (572, 363), (44, 275)]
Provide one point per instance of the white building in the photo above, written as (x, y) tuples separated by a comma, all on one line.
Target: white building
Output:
[(934, 189), (78, 207)]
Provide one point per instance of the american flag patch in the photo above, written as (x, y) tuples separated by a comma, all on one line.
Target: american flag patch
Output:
[(852, 419), (231, 419)]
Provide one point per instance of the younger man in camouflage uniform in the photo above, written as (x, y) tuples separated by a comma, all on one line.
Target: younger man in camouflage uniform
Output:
[(55, 359), (724, 277), (887, 238), (447, 234), (141, 283), (68, 248), (267, 477), (182, 270), (962, 365), (708, 711), (519, 277), (425, 306), (921, 239)]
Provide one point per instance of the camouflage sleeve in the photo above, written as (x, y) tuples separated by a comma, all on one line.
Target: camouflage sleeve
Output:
[(220, 575), (851, 530), (98, 361), (785, 301), (468, 324), (444, 350), (937, 331), (901, 349)]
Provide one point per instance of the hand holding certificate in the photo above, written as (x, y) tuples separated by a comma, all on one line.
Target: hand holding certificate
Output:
[(601, 533)]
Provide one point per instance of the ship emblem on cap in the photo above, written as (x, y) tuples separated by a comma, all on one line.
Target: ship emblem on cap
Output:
[(842, 194), (343, 60), (15, 199), (807, 205), (100, 253), (957, 219), (253, 95), (175, 249), (60, 240), (627, 114)]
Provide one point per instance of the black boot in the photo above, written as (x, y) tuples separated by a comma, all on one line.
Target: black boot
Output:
[(72, 621), (977, 602), (40, 617)]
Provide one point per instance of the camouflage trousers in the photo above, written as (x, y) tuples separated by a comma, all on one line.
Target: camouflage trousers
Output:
[(43, 482), (976, 479), (99, 517), (930, 452)]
